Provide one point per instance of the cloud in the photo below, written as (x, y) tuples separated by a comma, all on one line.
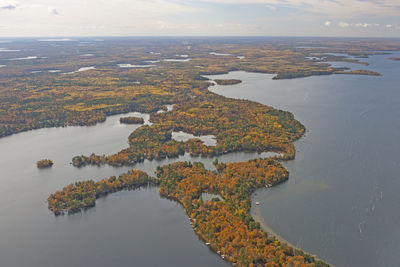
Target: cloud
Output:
[(344, 24), (389, 26), (53, 11), (337, 8), (7, 5), (270, 7), (199, 17), (366, 25)]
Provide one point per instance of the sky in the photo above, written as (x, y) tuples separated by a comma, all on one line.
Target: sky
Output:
[(348, 18)]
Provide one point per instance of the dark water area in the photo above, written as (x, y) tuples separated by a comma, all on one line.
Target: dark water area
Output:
[(342, 199)]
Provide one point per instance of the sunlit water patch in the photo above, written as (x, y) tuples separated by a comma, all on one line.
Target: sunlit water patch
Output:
[(135, 66), (176, 60), (219, 54), (56, 40), (81, 69), (167, 107), (9, 50), (23, 58)]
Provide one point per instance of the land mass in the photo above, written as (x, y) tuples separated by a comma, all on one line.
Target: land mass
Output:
[(62, 87), (116, 80), (226, 226), (44, 163), (131, 120), (227, 82)]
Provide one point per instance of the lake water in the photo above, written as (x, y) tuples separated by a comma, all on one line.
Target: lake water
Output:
[(131, 227), (208, 140), (342, 199)]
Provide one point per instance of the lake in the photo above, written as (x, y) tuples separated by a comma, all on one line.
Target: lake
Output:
[(342, 199), (123, 228)]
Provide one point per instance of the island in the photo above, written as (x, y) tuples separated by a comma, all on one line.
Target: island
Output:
[(394, 58), (131, 120), (227, 81), (82, 195), (44, 163), (359, 72)]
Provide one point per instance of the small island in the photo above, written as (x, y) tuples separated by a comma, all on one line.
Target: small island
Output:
[(359, 72), (44, 163), (227, 81), (394, 58), (131, 120), (83, 195)]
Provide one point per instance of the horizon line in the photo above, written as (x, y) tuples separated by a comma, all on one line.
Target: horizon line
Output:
[(195, 36)]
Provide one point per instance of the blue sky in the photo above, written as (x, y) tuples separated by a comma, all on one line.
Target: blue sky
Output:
[(353, 18)]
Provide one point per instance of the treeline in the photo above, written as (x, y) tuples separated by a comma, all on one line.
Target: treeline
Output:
[(82, 195), (239, 125)]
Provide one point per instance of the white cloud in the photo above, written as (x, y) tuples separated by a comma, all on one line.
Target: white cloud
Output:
[(53, 11), (195, 17), (8, 5), (389, 26), (270, 7), (337, 8), (343, 24), (366, 25)]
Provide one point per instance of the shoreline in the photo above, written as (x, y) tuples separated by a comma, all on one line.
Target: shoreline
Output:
[(255, 212)]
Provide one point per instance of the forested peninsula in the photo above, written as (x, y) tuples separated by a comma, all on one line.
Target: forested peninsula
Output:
[(226, 226)]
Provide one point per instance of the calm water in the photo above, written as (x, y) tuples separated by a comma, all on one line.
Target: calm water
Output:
[(125, 228), (342, 200)]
